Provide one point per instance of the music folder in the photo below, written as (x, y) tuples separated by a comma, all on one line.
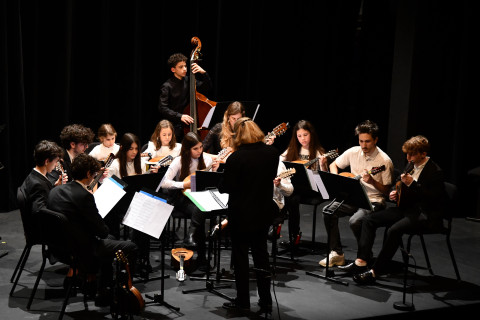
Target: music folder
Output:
[(207, 180), (110, 192), (147, 180), (208, 200), (350, 190)]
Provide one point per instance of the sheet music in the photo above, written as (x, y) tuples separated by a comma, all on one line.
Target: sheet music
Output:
[(205, 201), (148, 214), (107, 196), (311, 179), (256, 110), (208, 118), (320, 185)]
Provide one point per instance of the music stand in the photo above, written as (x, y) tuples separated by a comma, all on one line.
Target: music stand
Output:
[(343, 190), (302, 184), (147, 182)]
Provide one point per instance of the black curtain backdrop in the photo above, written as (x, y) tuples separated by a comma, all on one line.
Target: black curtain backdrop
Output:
[(330, 62)]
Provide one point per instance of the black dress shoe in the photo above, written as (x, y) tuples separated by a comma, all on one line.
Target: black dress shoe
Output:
[(364, 278), (352, 268), (232, 305)]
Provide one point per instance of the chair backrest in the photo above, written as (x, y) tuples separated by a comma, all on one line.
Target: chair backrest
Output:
[(144, 147), (91, 146), (30, 229), (452, 198)]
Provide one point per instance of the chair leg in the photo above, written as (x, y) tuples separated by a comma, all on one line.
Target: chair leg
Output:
[(40, 273), (68, 293), (22, 265), (427, 259), (450, 250), (19, 262)]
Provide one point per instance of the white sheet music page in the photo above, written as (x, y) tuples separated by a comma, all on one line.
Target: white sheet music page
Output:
[(208, 118), (205, 201), (319, 183), (107, 196), (148, 214)]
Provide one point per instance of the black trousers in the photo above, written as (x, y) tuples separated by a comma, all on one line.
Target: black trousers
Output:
[(257, 241)]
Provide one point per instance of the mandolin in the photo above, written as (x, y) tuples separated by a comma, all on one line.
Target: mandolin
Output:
[(373, 172), (332, 154), (61, 170), (181, 260), (277, 131), (133, 300), (286, 173), (398, 186), (160, 162), (220, 157), (93, 185)]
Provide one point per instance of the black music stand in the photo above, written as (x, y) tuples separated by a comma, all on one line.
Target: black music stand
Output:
[(343, 190), (147, 182), (301, 183), (160, 298)]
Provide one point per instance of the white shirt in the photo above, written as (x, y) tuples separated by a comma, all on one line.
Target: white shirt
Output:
[(101, 152), (163, 151), (359, 162), (114, 168), (170, 180)]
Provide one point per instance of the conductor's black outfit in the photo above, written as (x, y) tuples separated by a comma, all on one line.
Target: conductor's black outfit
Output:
[(248, 179)]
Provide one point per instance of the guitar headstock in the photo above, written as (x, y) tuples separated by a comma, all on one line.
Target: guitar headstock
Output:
[(287, 173), (121, 257), (376, 170), (223, 153), (180, 275)]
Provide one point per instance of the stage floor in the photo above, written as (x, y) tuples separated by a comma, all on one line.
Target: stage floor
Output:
[(297, 295)]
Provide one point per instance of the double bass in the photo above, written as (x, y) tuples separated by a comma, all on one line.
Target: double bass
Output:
[(199, 105)]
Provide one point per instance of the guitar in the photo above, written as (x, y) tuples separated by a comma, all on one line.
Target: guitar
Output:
[(372, 171), (332, 154), (182, 256), (93, 185), (398, 186), (160, 162), (133, 298), (277, 131)]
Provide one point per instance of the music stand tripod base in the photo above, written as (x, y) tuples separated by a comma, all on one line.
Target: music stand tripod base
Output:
[(403, 306)]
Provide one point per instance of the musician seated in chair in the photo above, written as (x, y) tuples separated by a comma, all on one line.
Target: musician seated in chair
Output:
[(90, 234), (422, 203), (177, 179), (361, 159), (175, 92)]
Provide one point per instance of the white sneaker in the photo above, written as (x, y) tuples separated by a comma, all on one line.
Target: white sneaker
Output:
[(334, 259)]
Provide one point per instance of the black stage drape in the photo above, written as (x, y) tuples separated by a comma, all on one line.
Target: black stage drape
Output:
[(331, 62)]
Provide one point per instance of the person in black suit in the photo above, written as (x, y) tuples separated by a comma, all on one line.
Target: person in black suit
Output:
[(422, 203), (90, 235), (75, 138), (36, 185), (248, 176), (175, 92)]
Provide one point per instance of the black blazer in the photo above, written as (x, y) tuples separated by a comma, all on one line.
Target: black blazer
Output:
[(78, 205), (248, 179), (427, 195), (36, 187)]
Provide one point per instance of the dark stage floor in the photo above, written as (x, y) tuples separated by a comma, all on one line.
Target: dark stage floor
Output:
[(298, 295)]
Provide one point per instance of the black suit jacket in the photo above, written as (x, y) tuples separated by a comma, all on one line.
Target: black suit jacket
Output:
[(248, 179), (36, 187), (427, 195), (78, 205)]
